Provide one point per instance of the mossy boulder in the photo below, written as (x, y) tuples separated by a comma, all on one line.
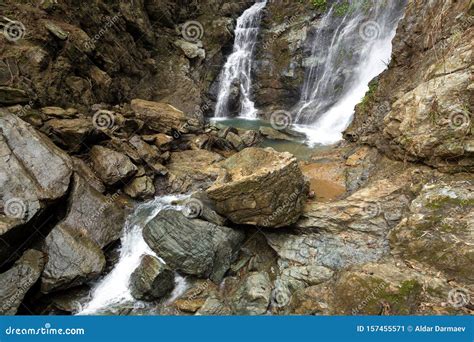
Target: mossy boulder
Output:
[(440, 230)]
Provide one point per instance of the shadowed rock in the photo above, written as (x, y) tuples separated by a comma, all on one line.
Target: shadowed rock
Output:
[(151, 279), (16, 282)]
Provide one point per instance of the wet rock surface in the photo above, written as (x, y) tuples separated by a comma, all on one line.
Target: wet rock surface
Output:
[(151, 280), (192, 246)]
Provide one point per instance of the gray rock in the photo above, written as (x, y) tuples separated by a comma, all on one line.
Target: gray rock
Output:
[(98, 216), (16, 282), (252, 297), (346, 232), (110, 165), (297, 277), (33, 174), (151, 280), (439, 231), (73, 259), (191, 246), (191, 50)]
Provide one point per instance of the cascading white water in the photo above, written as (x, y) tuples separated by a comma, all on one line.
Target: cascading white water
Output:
[(352, 46), (113, 290), (236, 73)]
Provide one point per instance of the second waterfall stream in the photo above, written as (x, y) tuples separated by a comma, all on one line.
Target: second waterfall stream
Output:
[(236, 74)]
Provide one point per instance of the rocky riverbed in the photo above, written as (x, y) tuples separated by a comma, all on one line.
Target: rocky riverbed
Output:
[(112, 174)]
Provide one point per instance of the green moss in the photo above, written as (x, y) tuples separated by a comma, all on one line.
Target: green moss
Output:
[(370, 295), (320, 5), (342, 9), (369, 96), (445, 202)]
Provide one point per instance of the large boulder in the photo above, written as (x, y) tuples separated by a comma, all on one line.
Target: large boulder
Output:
[(73, 259), (33, 174), (151, 279), (260, 187), (110, 165), (439, 232), (161, 117), (99, 216), (193, 247), (16, 282)]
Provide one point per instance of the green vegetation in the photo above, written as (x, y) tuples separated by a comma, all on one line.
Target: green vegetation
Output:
[(369, 96), (342, 9), (321, 5)]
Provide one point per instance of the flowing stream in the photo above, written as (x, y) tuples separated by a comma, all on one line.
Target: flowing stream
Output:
[(113, 290), (351, 45), (236, 74)]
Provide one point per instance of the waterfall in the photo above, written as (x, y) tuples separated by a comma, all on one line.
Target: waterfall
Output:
[(351, 46), (235, 82), (113, 290)]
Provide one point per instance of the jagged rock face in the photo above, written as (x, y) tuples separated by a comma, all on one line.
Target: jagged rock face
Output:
[(151, 280), (279, 67), (73, 259), (97, 215), (191, 246), (260, 187), (33, 174), (424, 114), (113, 52), (439, 232), (16, 282), (346, 232)]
